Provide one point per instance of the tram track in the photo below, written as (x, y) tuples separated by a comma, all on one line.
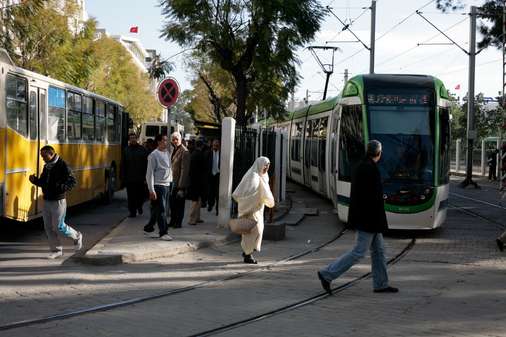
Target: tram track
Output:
[(141, 299), (300, 303), (475, 214)]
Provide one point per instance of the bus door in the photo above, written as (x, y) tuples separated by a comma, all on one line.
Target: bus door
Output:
[(36, 115)]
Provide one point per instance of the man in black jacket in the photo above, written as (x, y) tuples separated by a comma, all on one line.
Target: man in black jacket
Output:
[(133, 172), (56, 179), (367, 215)]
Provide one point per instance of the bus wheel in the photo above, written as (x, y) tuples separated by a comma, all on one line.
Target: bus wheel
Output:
[(110, 183)]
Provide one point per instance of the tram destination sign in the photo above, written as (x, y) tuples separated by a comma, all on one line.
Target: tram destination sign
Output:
[(168, 92), (398, 99)]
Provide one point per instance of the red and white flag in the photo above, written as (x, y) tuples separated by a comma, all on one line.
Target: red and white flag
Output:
[(457, 87), (134, 29)]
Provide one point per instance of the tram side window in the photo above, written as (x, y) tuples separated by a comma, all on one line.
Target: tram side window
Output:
[(16, 102), (351, 142), (88, 119), (74, 103), (323, 142), (444, 146), (296, 136), (56, 114), (307, 143), (100, 121), (314, 142)]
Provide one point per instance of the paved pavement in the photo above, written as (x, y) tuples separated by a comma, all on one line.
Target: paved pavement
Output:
[(451, 284)]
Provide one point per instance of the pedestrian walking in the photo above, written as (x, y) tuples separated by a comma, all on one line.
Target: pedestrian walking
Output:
[(180, 160), (206, 150), (367, 215), (252, 195), (158, 178), (133, 172), (198, 182), (492, 164), (214, 178), (56, 180)]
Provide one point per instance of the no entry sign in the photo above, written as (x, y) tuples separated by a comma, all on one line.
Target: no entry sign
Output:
[(168, 92)]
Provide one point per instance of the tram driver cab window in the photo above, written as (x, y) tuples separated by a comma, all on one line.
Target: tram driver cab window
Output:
[(351, 141)]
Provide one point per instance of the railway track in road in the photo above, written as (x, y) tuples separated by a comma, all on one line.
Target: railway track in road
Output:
[(302, 302), (467, 210), (172, 292)]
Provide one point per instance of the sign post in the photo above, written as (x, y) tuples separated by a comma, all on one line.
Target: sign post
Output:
[(168, 92)]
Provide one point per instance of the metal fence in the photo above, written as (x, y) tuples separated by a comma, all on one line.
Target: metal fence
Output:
[(244, 153)]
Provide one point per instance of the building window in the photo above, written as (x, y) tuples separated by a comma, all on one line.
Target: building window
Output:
[(16, 103)]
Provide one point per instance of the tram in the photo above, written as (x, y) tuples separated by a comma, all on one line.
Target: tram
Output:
[(408, 114), (86, 129)]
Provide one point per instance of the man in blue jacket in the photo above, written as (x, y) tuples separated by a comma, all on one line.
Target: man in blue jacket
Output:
[(367, 215), (56, 180)]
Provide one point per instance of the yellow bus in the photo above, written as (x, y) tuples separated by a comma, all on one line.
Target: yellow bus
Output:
[(84, 128)]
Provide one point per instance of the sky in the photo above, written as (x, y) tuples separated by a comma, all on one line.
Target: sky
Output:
[(405, 43)]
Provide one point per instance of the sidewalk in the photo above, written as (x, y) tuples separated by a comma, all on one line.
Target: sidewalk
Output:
[(126, 243)]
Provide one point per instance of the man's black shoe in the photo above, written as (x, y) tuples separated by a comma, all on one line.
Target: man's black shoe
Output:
[(325, 284), (500, 244), (387, 290)]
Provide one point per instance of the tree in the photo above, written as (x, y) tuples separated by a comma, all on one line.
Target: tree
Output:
[(159, 68), (254, 41), (180, 112), (117, 77)]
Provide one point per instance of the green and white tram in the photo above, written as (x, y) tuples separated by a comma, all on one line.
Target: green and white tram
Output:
[(409, 115)]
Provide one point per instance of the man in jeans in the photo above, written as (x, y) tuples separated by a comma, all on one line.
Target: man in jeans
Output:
[(56, 179), (367, 215), (159, 178)]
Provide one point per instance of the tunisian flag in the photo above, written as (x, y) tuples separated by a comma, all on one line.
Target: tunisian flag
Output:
[(457, 87), (134, 29)]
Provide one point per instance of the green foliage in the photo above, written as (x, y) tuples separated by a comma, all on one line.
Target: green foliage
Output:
[(254, 41), (44, 37), (116, 76)]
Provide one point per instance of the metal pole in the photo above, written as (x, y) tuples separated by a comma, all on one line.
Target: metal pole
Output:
[(345, 76), (326, 86), (471, 132), (373, 36), (503, 96)]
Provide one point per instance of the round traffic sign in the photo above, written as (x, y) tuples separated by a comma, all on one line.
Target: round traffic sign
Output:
[(168, 92)]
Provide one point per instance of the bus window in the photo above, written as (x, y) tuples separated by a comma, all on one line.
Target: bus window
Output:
[(351, 142), (323, 142), (99, 121), (74, 104), (117, 123), (33, 115), (16, 102), (110, 122), (56, 114), (164, 131), (88, 119), (152, 130)]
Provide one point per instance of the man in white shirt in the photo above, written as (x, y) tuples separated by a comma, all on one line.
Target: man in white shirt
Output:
[(214, 179), (159, 178)]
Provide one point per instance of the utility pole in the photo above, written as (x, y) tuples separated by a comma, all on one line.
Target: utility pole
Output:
[(373, 37), (471, 132), (503, 96), (345, 76)]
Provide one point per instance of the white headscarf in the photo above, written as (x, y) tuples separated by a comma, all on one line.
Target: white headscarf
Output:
[(253, 191)]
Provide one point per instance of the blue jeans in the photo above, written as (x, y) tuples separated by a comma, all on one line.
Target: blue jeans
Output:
[(159, 208), (364, 240)]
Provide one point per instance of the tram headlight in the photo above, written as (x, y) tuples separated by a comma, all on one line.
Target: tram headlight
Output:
[(422, 197)]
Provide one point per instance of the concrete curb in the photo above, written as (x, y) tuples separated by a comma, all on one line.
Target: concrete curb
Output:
[(93, 256)]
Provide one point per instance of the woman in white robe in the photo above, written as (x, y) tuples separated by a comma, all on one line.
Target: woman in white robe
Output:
[(252, 195)]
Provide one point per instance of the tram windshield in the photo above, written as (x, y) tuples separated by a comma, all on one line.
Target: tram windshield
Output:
[(406, 133)]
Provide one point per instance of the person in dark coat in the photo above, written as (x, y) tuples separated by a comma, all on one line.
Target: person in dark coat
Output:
[(135, 161), (492, 164), (214, 176), (367, 216), (198, 182)]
